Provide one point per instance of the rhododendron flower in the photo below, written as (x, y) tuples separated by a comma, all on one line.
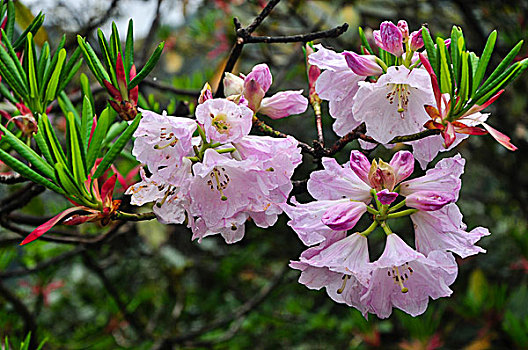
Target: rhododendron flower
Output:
[(406, 279), (253, 87), (223, 120), (394, 105), (338, 85), (389, 38)]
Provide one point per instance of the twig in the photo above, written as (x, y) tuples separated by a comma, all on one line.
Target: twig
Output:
[(414, 137), (20, 198), (10, 179), (247, 307), (330, 33), (114, 294), (151, 33), (268, 130), (30, 324), (43, 265), (134, 217), (162, 86)]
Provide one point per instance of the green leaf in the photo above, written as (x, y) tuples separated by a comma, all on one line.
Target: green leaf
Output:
[(115, 41), (504, 79), (115, 129), (129, 49), (27, 153), (117, 147), (66, 80), (93, 62), (43, 146), (148, 67), (86, 89), (10, 74), (72, 62), (66, 106), (51, 90), (43, 65), (109, 62), (430, 48), (33, 85), (483, 61), (7, 94), (32, 28), (14, 58), (504, 63), (51, 139), (10, 24), (99, 135), (27, 172), (364, 41), (68, 182), (76, 150), (86, 122), (445, 68)]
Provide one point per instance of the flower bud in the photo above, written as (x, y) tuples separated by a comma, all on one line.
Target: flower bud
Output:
[(233, 85), (262, 75), (206, 93), (360, 165), (381, 175), (416, 40), (283, 104), (389, 38), (429, 200), (364, 65), (403, 164), (386, 197), (404, 28), (253, 93), (344, 216)]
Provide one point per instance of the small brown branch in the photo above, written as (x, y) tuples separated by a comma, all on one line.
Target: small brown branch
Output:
[(12, 179), (261, 17), (413, 137), (30, 325), (134, 217), (166, 87), (330, 33), (20, 198), (268, 130)]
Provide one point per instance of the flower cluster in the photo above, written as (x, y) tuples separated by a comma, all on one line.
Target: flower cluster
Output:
[(217, 180), (394, 96), (401, 277)]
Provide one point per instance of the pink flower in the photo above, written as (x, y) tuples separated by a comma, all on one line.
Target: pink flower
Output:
[(253, 88), (406, 279), (344, 216), (337, 84), (416, 40), (162, 141), (364, 65), (394, 105), (223, 120)]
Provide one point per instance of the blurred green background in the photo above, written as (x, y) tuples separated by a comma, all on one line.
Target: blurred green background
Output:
[(151, 287)]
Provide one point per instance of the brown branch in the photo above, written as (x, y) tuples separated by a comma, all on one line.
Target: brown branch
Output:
[(239, 313), (162, 86), (30, 325), (20, 198), (330, 33), (413, 137)]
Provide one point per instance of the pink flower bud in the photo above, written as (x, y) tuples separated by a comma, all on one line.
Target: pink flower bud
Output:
[(429, 200), (389, 38), (233, 85), (403, 164), (416, 40), (205, 94), (404, 28), (253, 93), (386, 197), (283, 104), (344, 216), (381, 175), (360, 165), (262, 75), (364, 65)]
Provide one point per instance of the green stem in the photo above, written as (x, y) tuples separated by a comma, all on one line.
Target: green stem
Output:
[(382, 64), (402, 213), (375, 196), (202, 134), (397, 206), (225, 150), (369, 229), (134, 217), (372, 210), (386, 228)]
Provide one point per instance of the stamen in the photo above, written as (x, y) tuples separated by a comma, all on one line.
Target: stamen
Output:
[(220, 186), (345, 279), (399, 279), (169, 192)]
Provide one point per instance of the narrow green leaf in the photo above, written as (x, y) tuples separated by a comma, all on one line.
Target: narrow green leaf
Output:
[(72, 62), (10, 24), (148, 67), (27, 153), (115, 41), (430, 48), (445, 68), (10, 74), (32, 28), (86, 123), (52, 140), (76, 150), (93, 62), (33, 85), (129, 49), (67, 182), (504, 79), (483, 61), (43, 146), (43, 65), (7, 94), (504, 63), (364, 41), (51, 90), (14, 57), (27, 172), (455, 53), (116, 148), (115, 129), (109, 62), (54, 60), (86, 89), (99, 135), (66, 80)]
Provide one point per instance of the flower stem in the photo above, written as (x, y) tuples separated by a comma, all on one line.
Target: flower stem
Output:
[(202, 134), (386, 228), (369, 229), (372, 210), (225, 150), (397, 206), (402, 213)]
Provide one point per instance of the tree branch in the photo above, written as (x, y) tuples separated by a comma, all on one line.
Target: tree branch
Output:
[(330, 33)]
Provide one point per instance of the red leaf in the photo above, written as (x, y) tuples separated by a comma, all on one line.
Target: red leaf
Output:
[(500, 137), (45, 227), (108, 189), (116, 95)]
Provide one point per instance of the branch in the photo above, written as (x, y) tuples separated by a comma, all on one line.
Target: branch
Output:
[(30, 324), (239, 313), (134, 217), (413, 137), (330, 33), (20, 198), (162, 86), (268, 130)]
